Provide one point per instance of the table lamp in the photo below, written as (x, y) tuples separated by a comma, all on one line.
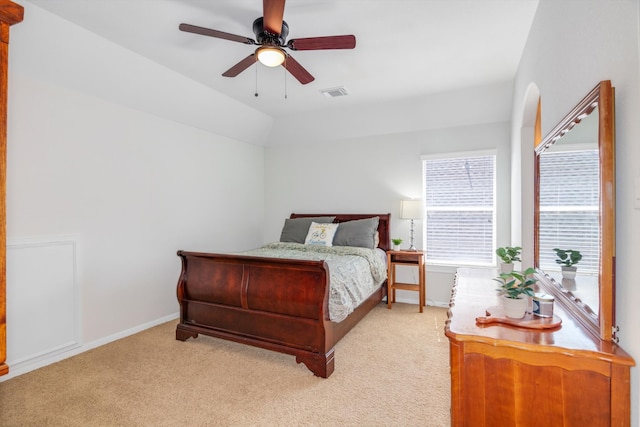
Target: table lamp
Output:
[(411, 209)]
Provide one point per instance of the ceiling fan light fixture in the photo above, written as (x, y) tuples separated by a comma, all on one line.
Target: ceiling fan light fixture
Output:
[(270, 56)]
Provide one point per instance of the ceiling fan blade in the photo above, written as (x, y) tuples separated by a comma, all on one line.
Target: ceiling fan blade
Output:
[(329, 42), (240, 66), (297, 70), (272, 13), (215, 33)]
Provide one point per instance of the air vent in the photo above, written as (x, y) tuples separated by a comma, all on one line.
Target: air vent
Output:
[(335, 92)]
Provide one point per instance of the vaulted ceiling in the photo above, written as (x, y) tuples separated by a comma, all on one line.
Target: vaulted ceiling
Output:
[(404, 48)]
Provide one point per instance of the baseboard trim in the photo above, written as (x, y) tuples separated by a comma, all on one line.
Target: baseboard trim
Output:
[(32, 364), (430, 302)]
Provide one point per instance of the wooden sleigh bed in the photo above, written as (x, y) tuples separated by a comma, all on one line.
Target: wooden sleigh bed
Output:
[(272, 303)]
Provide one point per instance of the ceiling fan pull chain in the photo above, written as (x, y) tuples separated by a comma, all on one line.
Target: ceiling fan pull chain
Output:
[(256, 92), (285, 77)]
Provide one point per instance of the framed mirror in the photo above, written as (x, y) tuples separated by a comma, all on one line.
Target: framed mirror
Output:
[(574, 212)]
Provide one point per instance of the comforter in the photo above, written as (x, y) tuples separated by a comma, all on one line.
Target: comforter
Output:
[(355, 273)]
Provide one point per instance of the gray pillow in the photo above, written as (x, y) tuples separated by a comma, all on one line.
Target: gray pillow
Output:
[(359, 232), (295, 229)]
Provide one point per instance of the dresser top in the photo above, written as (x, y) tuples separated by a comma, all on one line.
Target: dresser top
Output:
[(475, 291)]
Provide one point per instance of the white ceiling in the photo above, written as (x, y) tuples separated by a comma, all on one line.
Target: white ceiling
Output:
[(404, 48)]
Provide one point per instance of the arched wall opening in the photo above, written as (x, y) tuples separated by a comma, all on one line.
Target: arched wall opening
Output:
[(522, 167)]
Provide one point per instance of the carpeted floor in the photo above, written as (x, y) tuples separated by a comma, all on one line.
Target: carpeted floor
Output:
[(392, 369)]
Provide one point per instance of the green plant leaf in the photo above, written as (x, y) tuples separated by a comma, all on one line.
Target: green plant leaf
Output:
[(517, 283)]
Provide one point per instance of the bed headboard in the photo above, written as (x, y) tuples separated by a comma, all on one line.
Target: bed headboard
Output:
[(384, 224)]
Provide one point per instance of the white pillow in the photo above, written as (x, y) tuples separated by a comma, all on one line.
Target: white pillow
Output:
[(321, 234)]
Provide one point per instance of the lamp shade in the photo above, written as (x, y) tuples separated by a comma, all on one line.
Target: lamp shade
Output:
[(411, 209)]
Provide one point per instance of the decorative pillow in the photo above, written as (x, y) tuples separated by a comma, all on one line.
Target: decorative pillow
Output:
[(359, 232), (295, 229), (321, 234)]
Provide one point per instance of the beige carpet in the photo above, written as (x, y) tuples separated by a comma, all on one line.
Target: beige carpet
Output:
[(391, 370)]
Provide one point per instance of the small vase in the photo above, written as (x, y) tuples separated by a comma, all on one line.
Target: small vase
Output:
[(396, 247), (514, 308), (569, 272), (506, 267)]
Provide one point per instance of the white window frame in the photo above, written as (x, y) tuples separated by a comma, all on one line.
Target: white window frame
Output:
[(450, 156)]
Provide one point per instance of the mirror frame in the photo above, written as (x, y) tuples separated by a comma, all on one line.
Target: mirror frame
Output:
[(601, 323)]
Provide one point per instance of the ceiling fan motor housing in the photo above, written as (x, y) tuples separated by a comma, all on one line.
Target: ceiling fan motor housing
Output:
[(267, 38)]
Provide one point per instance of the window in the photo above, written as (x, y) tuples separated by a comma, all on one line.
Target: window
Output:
[(460, 209), (569, 207)]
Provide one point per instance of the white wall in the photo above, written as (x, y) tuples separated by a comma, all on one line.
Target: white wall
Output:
[(572, 46), (371, 174), (129, 188)]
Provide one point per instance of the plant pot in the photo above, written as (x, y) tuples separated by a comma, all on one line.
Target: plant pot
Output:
[(569, 272), (396, 247), (506, 267), (514, 308)]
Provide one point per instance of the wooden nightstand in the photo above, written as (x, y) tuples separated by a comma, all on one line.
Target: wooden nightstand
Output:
[(409, 258)]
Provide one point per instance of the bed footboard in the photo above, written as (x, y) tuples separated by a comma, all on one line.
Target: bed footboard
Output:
[(277, 304)]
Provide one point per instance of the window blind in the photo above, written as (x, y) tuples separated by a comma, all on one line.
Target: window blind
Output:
[(569, 207), (460, 210)]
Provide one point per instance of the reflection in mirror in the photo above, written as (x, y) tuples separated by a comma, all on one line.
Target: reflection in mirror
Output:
[(575, 209), (569, 212)]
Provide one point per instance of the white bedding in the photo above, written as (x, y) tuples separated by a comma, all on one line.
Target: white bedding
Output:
[(355, 273)]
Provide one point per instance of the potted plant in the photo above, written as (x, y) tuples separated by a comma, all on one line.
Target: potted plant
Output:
[(567, 258), (508, 255), (396, 244), (515, 287)]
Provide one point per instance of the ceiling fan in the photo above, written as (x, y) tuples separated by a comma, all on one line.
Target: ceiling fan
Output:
[(271, 33)]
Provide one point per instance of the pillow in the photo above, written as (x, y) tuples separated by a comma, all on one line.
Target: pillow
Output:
[(321, 234), (295, 229), (359, 232)]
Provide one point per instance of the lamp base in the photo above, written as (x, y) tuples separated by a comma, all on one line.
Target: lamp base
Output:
[(412, 247)]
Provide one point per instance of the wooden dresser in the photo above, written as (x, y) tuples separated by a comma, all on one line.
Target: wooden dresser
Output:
[(508, 376)]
